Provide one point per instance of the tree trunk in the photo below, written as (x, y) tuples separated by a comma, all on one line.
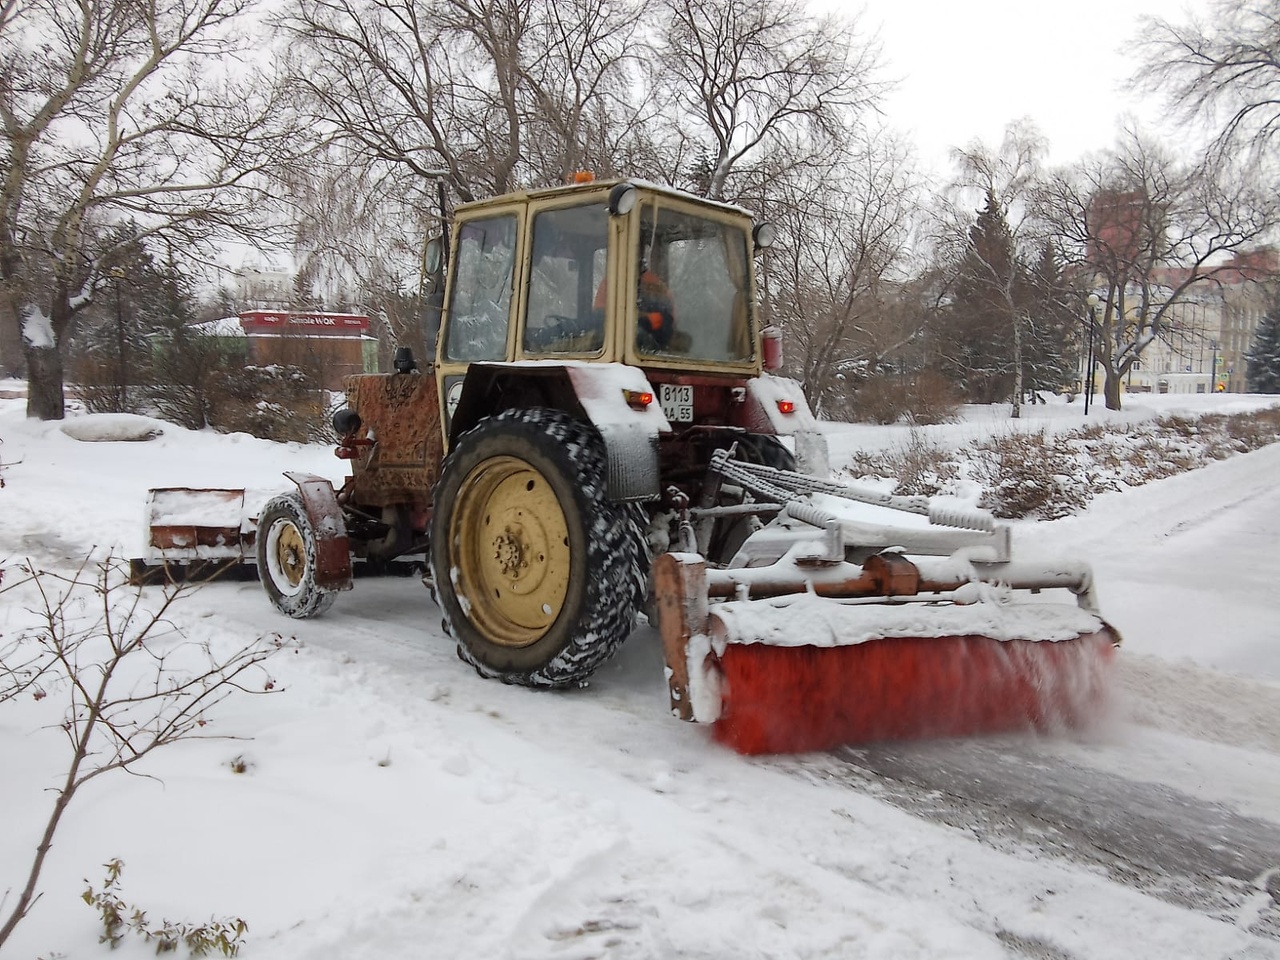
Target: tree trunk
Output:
[(45, 397), (1017, 368), (1112, 390)]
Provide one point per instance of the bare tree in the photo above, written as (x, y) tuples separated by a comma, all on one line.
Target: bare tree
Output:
[(1221, 67), (1143, 231), (359, 234), (497, 94), (844, 228), (130, 682), (741, 76), (111, 110)]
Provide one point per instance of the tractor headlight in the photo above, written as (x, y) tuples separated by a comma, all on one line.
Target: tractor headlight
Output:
[(346, 422), (622, 199), (763, 235)]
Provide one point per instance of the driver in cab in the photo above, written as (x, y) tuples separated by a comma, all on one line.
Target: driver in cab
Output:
[(656, 311)]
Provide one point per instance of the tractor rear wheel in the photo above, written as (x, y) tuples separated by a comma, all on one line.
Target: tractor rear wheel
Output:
[(287, 559), (534, 568)]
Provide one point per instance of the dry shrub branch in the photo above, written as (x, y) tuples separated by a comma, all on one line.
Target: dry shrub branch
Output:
[(1042, 475), (129, 680)]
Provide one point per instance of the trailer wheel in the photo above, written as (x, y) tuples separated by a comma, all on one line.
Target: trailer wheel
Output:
[(534, 568), (287, 559)]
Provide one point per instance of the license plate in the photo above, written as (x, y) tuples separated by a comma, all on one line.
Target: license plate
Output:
[(677, 401)]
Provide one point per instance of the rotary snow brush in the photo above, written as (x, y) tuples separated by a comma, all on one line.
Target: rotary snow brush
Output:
[(808, 671), (796, 648)]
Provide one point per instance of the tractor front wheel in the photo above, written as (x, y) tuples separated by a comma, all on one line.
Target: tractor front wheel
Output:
[(533, 566), (287, 559)]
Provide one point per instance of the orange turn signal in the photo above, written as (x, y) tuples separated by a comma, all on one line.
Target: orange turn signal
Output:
[(638, 399)]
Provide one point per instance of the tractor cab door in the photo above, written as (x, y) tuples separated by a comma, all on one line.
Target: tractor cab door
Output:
[(482, 298), (694, 287), (568, 291)]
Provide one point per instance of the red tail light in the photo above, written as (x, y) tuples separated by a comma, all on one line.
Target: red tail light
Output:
[(638, 399)]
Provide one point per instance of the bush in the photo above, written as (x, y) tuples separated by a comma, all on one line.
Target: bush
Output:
[(102, 383), (204, 382), (933, 399), (919, 466), (119, 918), (924, 398), (1028, 474), (276, 403), (1037, 475), (1253, 430)]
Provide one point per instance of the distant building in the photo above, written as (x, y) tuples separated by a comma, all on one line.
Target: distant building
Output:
[(331, 345), (264, 286), (1210, 328)]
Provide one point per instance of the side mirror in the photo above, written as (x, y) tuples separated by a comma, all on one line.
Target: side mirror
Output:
[(433, 259)]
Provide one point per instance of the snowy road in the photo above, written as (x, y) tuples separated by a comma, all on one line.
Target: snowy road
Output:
[(1149, 811)]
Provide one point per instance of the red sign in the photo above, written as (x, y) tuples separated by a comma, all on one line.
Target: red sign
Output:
[(284, 323)]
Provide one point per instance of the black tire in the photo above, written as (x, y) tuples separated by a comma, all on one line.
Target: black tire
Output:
[(287, 559), (759, 448), (766, 449), (534, 568)]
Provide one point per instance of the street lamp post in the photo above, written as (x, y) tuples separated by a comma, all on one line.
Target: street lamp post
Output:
[(1213, 367), (122, 362), (1092, 302)]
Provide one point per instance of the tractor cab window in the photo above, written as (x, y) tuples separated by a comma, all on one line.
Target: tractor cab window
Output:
[(566, 284), (691, 297), (480, 299)]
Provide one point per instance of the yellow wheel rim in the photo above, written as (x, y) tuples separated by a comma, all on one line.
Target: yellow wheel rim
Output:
[(289, 551), (511, 551)]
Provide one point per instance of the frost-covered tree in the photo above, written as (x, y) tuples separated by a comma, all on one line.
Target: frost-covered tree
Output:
[(1052, 328), (494, 94), (974, 334), (843, 236), (742, 77), (999, 331), (111, 111), (1264, 354)]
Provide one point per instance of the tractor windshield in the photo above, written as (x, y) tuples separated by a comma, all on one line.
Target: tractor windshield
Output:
[(693, 293)]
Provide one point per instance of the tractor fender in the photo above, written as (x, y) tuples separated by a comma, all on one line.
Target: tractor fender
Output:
[(333, 553), (594, 392), (778, 405)]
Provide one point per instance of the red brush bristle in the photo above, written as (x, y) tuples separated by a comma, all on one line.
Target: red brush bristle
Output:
[(795, 699)]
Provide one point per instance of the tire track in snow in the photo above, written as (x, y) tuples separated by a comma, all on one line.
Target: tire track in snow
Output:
[(1014, 797)]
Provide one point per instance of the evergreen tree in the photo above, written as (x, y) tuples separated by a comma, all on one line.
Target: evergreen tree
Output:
[(1264, 354), (1051, 342), (111, 347), (975, 333)]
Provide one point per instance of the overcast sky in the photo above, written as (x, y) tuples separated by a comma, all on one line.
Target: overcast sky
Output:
[(965, 70)]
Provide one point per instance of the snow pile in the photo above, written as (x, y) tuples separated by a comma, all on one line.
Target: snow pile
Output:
[(108, 427), (805, 620)]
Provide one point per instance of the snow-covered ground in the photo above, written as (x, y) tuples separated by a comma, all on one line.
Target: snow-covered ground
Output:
[(393, 804)]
